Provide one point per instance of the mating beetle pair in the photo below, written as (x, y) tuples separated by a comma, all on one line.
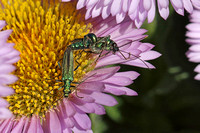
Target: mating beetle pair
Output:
[(92, 43)]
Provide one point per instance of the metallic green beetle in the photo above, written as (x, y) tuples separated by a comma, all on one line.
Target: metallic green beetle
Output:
[(67, 71)]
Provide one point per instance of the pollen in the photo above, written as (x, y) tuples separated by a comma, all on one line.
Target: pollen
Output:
[(42, 30)]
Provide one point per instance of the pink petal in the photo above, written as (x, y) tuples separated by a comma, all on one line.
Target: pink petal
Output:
[(20, 125), (5, 113), (35, 126), (52, 123), (147, 4), (197, 69), (5, 91), (106, 2), (93, 86), (188, 5), (163, 3), (88, 13), (129, 74), (66, 122), (67, 130), (117, 59), (197, 77), (142, 14), (116, 90), (193, 41), (2, 24), (3, 102), (8, 127), (69, 108), (150, 55), (69, 122), (133, 6), (125, 6), (120, 17), (138, 22), (99, 109), (196, 3), (4, 35), (139, 63), (83, 120), (84, 94), (105, 12), (178, 6), (151, 12), (104, 99), (163, 6), (91, 3), (116, 7), (145, 47), (97, 9), (6, 68), (164, 12), (194, 35), (117, 80), (4, 124), (61, 115), (6, 49), (26, 125), (101, 74), (12, 54), (195, 58), (102, 28), (134, 15), (12, 60), (76, 130), (111, 89), (177, 3), (85, 107), (136, 33), (193, 27), (195, 48), (81, 4)]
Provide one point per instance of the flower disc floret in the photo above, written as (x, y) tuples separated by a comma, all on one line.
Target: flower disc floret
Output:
[(41, 33)]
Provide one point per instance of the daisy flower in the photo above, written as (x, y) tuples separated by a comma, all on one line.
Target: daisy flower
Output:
[(137, 10), (8, 56), (42, 30), (193, 39)]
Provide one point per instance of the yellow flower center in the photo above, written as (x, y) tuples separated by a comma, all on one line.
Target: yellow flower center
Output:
[(42, 30)]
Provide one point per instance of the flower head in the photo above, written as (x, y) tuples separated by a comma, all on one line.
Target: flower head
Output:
[(137, 10), (42, 30), (8, 56), (193, 39)]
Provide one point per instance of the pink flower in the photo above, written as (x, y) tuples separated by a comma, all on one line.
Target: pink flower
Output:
[(137, 10), (70, 114), (193, 39), (8, 56)]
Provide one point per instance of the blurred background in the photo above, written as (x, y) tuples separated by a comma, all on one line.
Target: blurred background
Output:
[(169, 97)]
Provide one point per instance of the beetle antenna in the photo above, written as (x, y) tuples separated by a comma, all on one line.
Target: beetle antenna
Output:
[(125, 44), (137, 58), (122, 55), (132, 41)]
